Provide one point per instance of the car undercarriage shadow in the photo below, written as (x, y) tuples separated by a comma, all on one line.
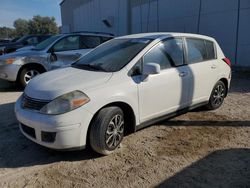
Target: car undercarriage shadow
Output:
[(222, 168), (212, 123), (6, 86)]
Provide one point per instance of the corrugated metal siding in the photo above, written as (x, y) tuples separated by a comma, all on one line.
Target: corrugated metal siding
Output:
[(88, 15), (225, 20)]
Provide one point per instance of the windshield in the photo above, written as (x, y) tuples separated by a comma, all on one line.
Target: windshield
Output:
[(22, 39), (15, 39), (112, 56), (43, 45)]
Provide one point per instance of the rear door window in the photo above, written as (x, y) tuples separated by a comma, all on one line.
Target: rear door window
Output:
[(196, 50), (88, 42)]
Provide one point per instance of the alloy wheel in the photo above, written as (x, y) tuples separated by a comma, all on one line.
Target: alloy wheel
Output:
[(218, 95), (114, 132), (29, 75)]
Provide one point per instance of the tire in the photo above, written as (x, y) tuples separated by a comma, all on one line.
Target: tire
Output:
[(109, 121), (27, 74), (217, 96)]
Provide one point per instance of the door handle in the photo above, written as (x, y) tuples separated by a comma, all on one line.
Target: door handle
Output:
[(183, 74), (213, 66)]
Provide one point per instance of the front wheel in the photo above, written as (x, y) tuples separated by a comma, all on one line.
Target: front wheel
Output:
[(27, 74), (217, 97), (107, 130)]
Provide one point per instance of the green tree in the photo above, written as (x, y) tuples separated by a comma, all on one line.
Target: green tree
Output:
[(6, 32), (21, 26), (42, 25)]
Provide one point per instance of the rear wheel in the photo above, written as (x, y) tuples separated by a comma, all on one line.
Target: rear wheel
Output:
[(217, 97), (107, 130), (27, 74)]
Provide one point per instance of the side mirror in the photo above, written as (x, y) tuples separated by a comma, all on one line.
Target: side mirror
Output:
[(53, 57), (151, 68)]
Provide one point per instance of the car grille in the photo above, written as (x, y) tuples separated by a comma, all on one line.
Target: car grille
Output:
[(49, 137), (33, 104)]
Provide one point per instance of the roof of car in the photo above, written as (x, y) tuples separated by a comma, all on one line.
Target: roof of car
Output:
[(34, 35), (88, 34), (158, 35)]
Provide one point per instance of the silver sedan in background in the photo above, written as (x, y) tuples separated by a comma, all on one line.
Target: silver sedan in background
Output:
[(56, 52)]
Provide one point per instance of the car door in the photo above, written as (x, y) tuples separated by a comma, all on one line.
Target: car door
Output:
[(166, 92), (65, 52), (201, 59)]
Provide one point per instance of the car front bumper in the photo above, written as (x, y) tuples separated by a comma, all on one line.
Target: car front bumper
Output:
[(9, 72), (61, 132)]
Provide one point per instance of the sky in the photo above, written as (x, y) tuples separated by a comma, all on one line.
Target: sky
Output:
[(10, 10)]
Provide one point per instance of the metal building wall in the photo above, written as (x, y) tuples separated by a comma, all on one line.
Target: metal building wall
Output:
[(226, 20), (219, 19), (243, 46), (67, 7), (88, 15)]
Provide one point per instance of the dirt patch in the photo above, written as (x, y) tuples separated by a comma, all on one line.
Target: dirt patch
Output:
[(197, 149)]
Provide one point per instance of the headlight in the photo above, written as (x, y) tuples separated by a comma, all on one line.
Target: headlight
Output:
[(15, 60), (65, 103)]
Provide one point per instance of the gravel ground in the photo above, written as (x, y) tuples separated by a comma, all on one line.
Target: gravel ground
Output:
[(197, 149)]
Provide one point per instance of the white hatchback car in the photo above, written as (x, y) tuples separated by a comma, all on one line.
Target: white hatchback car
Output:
[(121, 86)]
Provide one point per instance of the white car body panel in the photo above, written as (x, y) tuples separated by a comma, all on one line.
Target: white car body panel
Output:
[(149, 98), (153, 90), (201, 75), (75, 79), (114, 91), (70, 128)]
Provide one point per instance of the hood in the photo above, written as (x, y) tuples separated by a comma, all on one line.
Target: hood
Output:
[(53, 84), (22, 53), (25, 48)]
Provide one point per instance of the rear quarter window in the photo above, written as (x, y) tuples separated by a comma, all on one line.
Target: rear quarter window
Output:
[(210, 50)]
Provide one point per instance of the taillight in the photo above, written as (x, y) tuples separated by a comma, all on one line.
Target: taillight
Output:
[(227, 61)]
